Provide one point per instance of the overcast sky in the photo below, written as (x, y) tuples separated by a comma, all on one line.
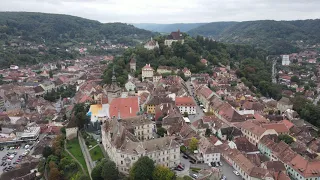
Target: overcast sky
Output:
[(171, 11)]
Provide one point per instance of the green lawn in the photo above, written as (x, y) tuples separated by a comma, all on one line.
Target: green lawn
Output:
[(74, 147), (96, 153), (89, 140)]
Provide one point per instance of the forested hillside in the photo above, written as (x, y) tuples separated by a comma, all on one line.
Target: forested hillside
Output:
[(62, 28), (250, 63), (30, 38), (213, 29), (167, 28), (276, 37)]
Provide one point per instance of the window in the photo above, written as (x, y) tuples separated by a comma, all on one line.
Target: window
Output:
[(122, 156), (121, 162)]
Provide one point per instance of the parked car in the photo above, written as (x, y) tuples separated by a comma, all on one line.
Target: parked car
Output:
[(185, 156), (194, 176), (213, 164), (224, 178), (178, 169), (192, 162), (181, 166), (236, 173), (220, 164)]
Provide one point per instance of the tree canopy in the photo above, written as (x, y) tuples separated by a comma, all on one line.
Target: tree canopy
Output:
[(142, 169), (162, 173)]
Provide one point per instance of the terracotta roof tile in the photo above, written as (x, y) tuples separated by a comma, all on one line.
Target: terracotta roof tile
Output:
[(128, 107)]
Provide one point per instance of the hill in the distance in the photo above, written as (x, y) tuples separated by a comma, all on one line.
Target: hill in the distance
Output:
[(167, 28), (275, 36), (61, 28), (31, 38)]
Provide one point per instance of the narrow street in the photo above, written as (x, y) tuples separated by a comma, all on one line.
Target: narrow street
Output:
[(200, 113)]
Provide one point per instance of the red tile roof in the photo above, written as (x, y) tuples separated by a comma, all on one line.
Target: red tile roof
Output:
[(147, 67), (305, 168), (123, 105), (287, 123), (278, 127), (206, 92), (185, 101)]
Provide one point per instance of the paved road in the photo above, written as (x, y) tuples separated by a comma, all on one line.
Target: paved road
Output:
[(200, 113), (227, 171)]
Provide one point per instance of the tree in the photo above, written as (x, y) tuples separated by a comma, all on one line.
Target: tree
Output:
[(54, 174), (161, 131), (208, 132), (50, 74), (110, 171), (63, 130), (96, 173), (185, 114), (295, 79), (184, 178), (47, 151), (286, 138), (162, 173), (193, 144), (142, 169)]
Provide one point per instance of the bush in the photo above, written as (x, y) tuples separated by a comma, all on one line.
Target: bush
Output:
[(183, 148)]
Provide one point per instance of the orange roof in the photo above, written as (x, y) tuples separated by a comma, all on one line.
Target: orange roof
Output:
[(278, 127), (304, 167), (128, 107), (185, 101), (147, 67), (287, 123)]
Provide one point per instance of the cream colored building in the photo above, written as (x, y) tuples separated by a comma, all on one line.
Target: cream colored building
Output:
[(156, 78), (147, 72), (124, 148), (141, 127), (254, 132), (174, 37)]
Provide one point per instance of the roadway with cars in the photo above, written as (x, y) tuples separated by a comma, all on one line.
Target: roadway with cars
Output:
[(226, 169), (199, 110)]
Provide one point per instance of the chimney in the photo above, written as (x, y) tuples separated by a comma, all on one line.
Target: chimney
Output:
[(130, 110)]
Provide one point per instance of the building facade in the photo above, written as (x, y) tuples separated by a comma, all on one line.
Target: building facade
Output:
[(152, 44), (147, 72), (124, 148), (285, 60), (186, 104)]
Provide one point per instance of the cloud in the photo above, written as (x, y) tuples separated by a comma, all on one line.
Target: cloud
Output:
[(171, 11)]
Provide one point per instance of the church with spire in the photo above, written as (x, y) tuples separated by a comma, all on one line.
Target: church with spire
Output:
[(113, 90)]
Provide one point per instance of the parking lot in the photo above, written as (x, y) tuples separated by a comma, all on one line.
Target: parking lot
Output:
[(226, 170), (11, 156)]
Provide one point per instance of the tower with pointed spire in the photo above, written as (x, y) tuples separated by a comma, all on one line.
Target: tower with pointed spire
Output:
[(113, 90)]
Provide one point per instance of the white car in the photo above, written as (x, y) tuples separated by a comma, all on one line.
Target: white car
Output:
[(236, 173)]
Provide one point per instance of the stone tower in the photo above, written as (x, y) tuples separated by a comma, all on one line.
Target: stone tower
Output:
[(113, 90), (133, 64)]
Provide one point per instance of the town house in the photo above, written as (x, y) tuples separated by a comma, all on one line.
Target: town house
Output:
[(186, 104), (254, 132)]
